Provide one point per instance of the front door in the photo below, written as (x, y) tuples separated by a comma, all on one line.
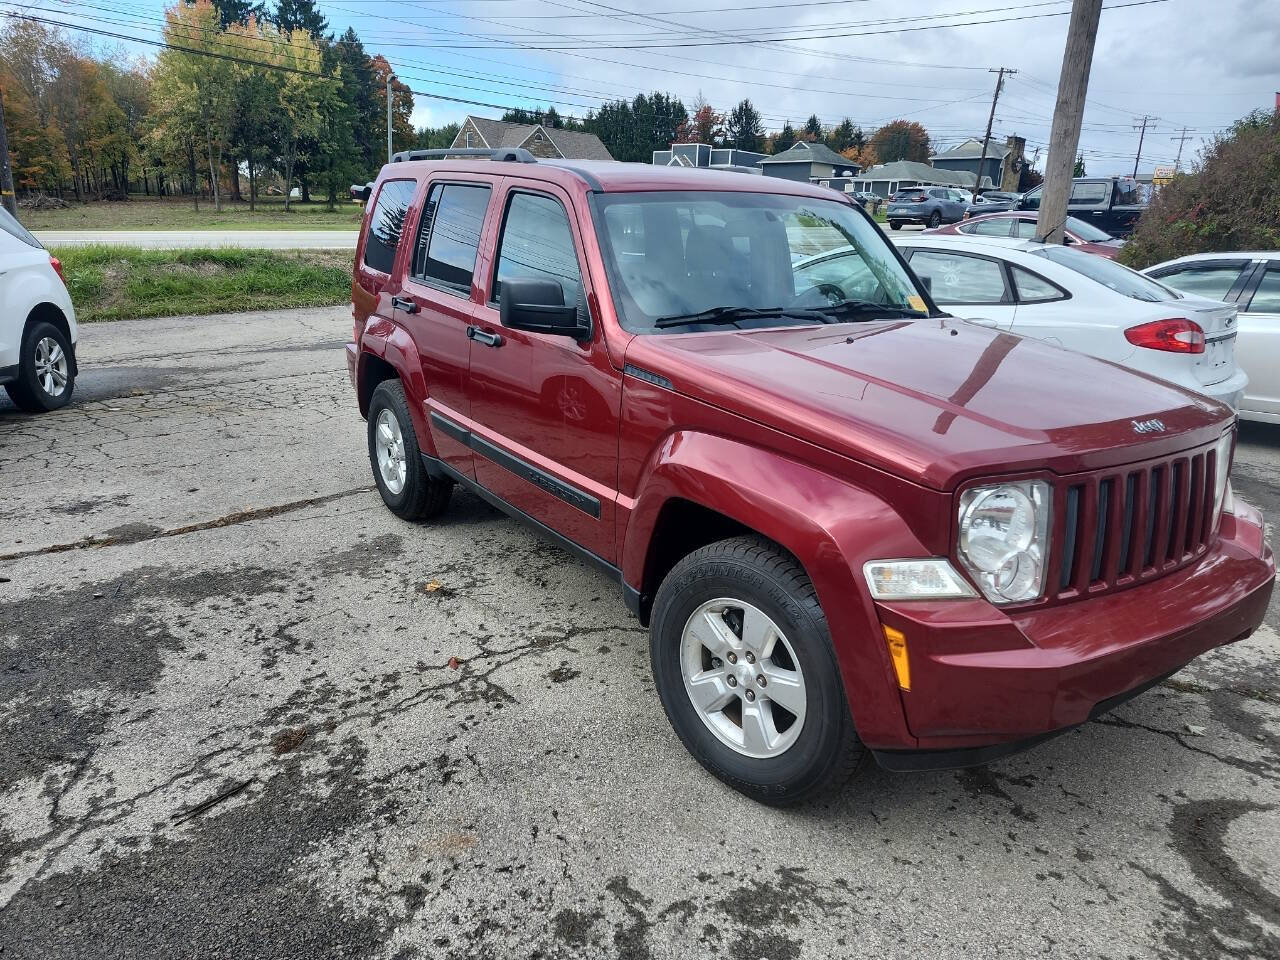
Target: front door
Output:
[(438, 304), (545, 407), (966, 285)]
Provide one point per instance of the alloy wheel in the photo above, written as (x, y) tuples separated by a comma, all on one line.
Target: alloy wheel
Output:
[(743, 678), (389, 447), (52, 369)]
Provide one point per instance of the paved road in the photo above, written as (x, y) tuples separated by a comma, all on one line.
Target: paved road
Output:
[(171, 239), (200, 590)]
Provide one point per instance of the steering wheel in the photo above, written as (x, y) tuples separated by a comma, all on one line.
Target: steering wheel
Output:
[(820, 295)]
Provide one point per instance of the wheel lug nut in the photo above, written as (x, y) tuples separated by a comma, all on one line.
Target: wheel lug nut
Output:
[(751, 657), (716, 663), (732, 657), (732, 681), (751, 696), (761, 680)]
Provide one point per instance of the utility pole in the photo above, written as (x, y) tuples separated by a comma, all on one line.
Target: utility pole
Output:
[(7, 199), (390, 77), (1068, 112), (1183, 138), (1140, 123), (986, 140)]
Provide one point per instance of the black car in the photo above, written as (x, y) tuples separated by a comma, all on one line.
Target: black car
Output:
[(1113, 204)]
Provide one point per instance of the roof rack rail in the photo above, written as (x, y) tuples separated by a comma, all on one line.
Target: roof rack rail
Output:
[(507, 154)]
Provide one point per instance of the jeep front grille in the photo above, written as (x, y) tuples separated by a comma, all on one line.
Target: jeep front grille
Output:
[(1131, 524)]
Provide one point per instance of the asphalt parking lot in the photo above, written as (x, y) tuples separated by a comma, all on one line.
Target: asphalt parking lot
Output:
[(442, 740)]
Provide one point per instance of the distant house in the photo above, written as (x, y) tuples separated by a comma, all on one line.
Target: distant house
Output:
[(537, 138), (886, 179), (807, 162), (1003, 165), (705, 155)]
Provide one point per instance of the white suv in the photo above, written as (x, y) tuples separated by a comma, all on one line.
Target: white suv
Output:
[(37, 322)]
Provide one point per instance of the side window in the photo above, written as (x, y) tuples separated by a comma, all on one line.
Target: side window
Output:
[(386, 223), (959, 278), (537, 243), (1212, 282), (1088, 192), (1033, 288), (1266, 299), (1025, 230), (450, 235), (998, 227)]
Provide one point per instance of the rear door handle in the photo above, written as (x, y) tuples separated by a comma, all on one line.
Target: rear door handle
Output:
[(405, 304), (480, 336)]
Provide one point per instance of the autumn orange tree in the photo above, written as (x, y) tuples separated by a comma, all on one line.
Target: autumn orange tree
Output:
[(901, 140)]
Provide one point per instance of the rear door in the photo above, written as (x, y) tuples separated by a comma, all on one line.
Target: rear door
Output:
[(1259, 341), (968, 285), (439, 301)]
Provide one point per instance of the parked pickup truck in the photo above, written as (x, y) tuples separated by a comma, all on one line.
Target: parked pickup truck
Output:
[(850, 522), (1112, 204)]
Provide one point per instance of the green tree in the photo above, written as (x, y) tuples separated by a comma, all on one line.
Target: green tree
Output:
[(813, 128), (743, 128), (291, 15), (238, 11), (1079, 168), (845, 135), (785, 139)]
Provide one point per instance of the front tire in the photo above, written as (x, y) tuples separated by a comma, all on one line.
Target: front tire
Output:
[(743, 662), (46, 370), (406, 488)]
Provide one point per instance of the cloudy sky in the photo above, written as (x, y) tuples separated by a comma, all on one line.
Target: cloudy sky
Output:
[(1198, 64)]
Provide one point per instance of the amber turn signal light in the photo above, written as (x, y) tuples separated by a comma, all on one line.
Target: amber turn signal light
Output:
[(897, 642)]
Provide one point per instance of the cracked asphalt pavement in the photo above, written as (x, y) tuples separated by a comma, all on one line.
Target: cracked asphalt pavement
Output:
[(246, 712)]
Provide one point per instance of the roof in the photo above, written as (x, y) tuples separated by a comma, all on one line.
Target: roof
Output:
[(574, 144), (805, 152), (911, 170), (1220, 255), (612, 176), (971, 149)]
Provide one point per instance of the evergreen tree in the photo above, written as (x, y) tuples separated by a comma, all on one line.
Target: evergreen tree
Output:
[(238, 11), (841, 136), (813, 128), (1079, 170), (784, 140), (744, 129), (301, 15)]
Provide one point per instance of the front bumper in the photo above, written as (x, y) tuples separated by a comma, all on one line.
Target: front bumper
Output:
[(987, 682)]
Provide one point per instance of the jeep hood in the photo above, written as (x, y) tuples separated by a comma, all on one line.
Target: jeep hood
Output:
[(935, 401)]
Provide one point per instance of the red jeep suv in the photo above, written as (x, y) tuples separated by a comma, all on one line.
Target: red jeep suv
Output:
[(851, 522)]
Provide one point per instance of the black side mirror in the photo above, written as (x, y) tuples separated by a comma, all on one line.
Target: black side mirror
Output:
[(538, 306), (927, 283)]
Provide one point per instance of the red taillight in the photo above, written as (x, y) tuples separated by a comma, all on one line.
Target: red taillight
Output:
[(57, 268), (920, 199), (1175, 335)]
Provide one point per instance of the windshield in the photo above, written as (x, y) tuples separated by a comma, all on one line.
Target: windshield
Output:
[(1087, 231), (680, 254), (1110, 274)]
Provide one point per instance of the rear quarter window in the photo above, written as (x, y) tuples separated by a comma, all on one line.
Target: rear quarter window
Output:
[(386, 223)]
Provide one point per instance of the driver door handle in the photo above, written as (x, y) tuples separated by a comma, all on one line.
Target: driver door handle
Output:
[(480, 336), (405, 304)]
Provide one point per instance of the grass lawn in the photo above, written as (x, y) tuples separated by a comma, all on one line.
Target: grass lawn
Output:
[(151, 214), (128, 283)]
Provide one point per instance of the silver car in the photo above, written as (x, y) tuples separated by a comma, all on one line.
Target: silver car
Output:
[(932, 206), (1251, 281)]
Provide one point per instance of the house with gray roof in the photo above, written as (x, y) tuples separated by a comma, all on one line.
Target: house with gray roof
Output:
[(705, 155), (886, 179), (1003, 165), (807, 162), (539, 139)]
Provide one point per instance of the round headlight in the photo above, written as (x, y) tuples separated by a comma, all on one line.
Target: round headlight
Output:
[(1002, 533)]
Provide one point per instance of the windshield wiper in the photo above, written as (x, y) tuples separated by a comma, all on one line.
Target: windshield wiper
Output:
[(866, 310), (727, 315)]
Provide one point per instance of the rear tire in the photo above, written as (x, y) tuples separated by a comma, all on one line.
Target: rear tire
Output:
[(406, 488), (895, 224), (935, 220), (751, 586), (46, 371)]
